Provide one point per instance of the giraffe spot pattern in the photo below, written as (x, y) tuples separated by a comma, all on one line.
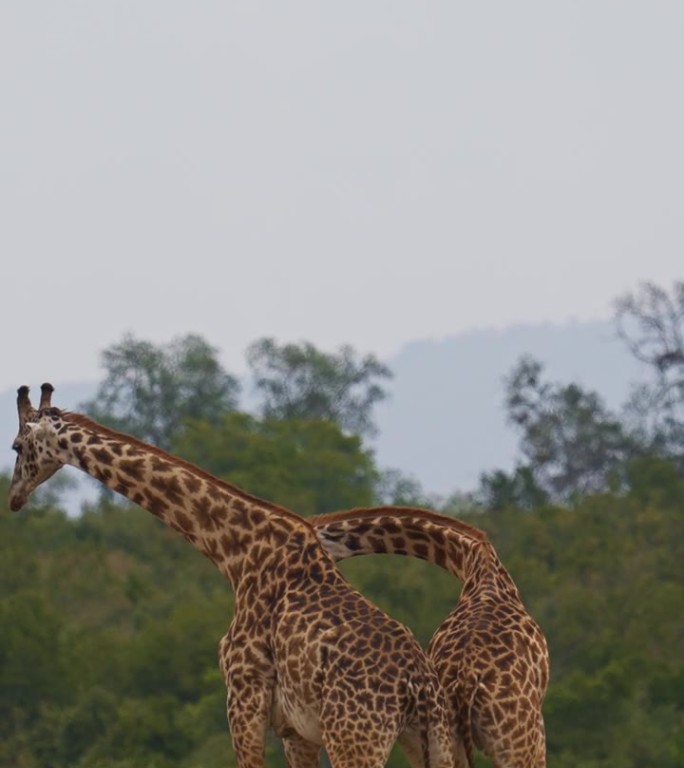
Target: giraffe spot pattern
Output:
[(489, 653), (305, 649)]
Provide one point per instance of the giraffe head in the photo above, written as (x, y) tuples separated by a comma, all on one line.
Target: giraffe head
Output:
[(36, 446)]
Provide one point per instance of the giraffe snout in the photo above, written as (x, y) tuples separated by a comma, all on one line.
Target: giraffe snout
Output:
[(16, 501)]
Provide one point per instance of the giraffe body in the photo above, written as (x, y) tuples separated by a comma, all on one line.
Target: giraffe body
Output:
[(491, 656), (305, 653)]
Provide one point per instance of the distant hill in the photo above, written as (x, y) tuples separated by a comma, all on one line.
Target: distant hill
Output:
[(444, 423)]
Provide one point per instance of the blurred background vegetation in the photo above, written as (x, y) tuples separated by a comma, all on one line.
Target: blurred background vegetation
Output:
[(109, 622)]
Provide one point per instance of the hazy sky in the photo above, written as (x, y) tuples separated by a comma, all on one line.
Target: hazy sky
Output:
[(362, 172)]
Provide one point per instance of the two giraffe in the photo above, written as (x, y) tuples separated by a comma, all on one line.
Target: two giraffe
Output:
[(489, 653), (305, 653)]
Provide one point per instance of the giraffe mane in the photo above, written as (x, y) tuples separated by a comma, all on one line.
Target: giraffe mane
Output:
[(399, 512), (85, 421)]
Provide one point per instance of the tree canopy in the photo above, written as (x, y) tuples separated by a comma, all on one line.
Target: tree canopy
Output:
[(298, 381), (152, 390), (110, 623), (651, 322), (570, 443), (307, 466)]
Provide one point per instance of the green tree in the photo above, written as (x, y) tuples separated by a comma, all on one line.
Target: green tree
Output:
[(308, 466), (109, 621), (651, 323), (396, 487), (520, 488), (603, 579), (30, 675), (151, 391), (571, 443), (298, 381)]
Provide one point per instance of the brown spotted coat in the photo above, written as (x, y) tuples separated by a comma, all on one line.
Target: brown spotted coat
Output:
[(490, 654), (305, 653)]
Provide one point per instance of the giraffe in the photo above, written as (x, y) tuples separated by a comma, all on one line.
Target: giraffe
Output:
[(305, 653), (490, 654)]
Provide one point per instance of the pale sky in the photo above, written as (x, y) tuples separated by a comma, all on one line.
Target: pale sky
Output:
[(353, 172)]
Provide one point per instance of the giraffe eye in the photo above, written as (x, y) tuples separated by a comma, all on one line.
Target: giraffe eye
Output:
[(17, 448)]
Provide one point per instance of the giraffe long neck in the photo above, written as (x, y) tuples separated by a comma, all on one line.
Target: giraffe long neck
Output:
[(461, 549), (236, 531)]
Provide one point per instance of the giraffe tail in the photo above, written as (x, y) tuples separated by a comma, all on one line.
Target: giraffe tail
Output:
[(424, 709), (440, 748), (464, 717)]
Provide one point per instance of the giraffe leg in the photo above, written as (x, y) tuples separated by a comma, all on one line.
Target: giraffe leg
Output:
[(300, 753), (413, 749), (445, 751), (248, 722), (520, 742), (248, 706), (521, 755), (249, 702)]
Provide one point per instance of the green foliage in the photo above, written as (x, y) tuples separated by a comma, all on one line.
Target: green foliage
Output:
[(150, 391), (650, 321), (307, 466), (298, 381), (395, 487), (31, 664), (110, 623), (413, 591), (501, 490), (572, 445), (93, 671), (605, 580)]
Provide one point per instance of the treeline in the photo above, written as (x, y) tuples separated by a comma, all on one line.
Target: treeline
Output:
[(109, 622)]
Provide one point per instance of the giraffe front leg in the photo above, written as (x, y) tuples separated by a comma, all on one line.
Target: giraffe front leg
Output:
[(249, 700), (248, 708)]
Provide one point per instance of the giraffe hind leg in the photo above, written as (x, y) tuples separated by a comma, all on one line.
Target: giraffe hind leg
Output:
[(300, 753), (413, 748)]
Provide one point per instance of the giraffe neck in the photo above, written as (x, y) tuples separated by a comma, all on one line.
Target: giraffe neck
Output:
[(236, 531), (461, 549)]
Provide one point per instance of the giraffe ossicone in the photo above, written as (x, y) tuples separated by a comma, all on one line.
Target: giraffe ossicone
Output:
[(305, 653)]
